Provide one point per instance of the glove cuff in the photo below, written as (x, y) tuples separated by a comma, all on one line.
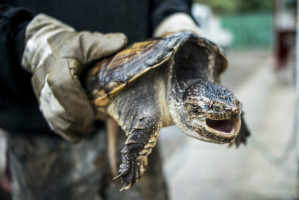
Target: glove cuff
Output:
[(37, 33), (176, 23)]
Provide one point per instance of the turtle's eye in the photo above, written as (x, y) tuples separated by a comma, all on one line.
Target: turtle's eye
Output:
[(217, 107), (237, 103), (194, 110)]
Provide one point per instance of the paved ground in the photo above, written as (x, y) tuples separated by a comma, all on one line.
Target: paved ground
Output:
[(266, 168)]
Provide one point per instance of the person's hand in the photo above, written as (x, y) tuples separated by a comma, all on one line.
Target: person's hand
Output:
[(56, 55), (178, 22)]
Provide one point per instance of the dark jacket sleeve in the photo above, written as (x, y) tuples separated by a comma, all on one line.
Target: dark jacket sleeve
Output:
[(165, 8), (13, 22), (18, 107)]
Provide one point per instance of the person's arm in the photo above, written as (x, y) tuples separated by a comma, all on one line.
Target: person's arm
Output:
[(173, 16), (51, 55), (56, 54), (13, 23)]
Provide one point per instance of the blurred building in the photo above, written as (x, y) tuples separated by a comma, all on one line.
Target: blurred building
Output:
[(285, 14)]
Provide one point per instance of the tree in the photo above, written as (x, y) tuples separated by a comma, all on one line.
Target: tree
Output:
[(254, 6), (238, 6)]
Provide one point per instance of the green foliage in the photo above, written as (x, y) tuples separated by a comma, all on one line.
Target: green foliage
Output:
[(220, 6), (237, 6), (254, 5)]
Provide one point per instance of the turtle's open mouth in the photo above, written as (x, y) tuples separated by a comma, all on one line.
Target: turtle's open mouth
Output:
[(212, 130), (225, 126)]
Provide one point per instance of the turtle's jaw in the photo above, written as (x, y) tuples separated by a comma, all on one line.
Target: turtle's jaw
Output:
[(217, 131), (223, 126), (227, 129)]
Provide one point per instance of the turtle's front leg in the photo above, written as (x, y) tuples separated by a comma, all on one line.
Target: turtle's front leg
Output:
[(138, 110), (139, 144)]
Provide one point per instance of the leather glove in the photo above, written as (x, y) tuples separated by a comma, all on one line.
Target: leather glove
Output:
[(178, 22), (56, 55)]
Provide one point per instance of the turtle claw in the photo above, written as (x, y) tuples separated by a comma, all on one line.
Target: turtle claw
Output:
[(125, 187), (129, 171), (128, 182), (118, 176), (129, 178)]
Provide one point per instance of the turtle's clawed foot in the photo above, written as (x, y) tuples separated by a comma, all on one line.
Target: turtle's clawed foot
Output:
[(132, 167), (242, 136)]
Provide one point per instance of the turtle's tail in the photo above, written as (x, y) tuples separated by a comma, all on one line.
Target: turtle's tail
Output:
[(112, 132)]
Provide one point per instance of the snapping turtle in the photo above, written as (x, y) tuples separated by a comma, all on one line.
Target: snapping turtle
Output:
[(173, 79)]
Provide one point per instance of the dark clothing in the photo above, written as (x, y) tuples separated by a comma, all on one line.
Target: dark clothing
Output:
[(136, 18)]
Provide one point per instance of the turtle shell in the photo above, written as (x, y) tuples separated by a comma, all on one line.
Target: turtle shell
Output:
[(111, 75)]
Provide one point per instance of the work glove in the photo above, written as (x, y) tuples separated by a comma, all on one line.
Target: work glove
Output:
[(178, 22), (56, 55)]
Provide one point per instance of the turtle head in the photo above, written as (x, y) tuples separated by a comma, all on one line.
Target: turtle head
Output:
[(212, 112)]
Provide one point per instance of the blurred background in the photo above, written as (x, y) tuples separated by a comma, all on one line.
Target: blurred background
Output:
[(259, 38)]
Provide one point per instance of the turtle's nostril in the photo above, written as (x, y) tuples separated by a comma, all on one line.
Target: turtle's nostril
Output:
[(235, 110)]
